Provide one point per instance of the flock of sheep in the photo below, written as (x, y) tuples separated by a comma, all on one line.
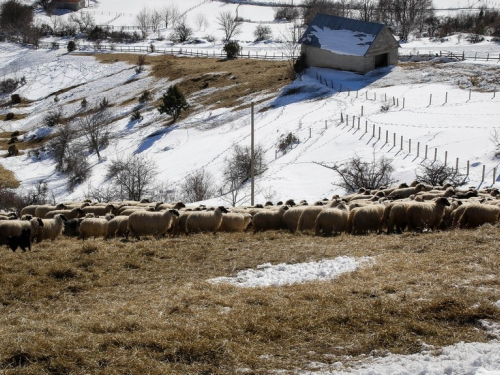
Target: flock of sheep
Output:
[(417, 207)]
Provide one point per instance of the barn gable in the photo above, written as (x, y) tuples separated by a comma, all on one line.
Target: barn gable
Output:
[(348, 44)]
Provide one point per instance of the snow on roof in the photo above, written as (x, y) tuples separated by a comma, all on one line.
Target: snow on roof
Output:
[(343, 42), (344, 36)]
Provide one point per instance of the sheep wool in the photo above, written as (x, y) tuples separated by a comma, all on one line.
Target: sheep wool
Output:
[(269, 219), (207, 221), (232, 222), (147, 223)]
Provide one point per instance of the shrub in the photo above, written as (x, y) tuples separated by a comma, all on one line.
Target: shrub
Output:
[(286, 142), (475, 38), (232, 49), (173, 102), (437, 173), (9, 116), (8, 85), (103, 104), (357, 173), (136, 115), (262, 33), (145, 97), (300, 64), (198, 186), (15, 99), (71, 46), (52, 118), (84, 103)]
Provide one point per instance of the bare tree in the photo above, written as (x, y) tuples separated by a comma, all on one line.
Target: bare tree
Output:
[(366, 10), (15, 18), (438, 174), (84, 20), (182, 32), (229, 24), (201, 21), (262, 33), (143, 20), (155, 19), (134, 176), (198, 186), (95, 126), (357, 173), (166, 14), (290, 46), (409, 13)]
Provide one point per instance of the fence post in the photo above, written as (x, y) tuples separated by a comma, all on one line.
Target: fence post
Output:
[(387, 136), (362, 110), (468, 167), (353, 119), (445, 158), (409, 146), (397, 102), (470, 93), (340, 90), (326, 125), (379, 130), (456, 166), (357, 92), (494, 93), (348, 91), (366, 126), (435, 154), (418, 149), (394, 140), (375, 96), (401, 143), (275, 154), (494, 175), (359, 122), (404, 103), (385, 97), (393, 100), (484, 170), (341, 117), (366, 95), (347, 119), (426, 147), (430, 100), (373, 135), (309, 132)]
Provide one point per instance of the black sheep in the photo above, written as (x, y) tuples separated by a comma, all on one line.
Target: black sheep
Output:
[(23, 240)]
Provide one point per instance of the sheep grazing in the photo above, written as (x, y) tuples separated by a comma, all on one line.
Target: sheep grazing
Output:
[(100, 210), (94, 227), (332, 220), (51, 228), (72, 227), (232, 222), (364, 219), (395, 216), (68, 214), (476, 215), (15, 228), (269, 219), (428, 214), (170, 206), (292, 216), (23, 240), (308, 217), (41, 211), (446, 221), (406, 192), (117, 227), (430, 195), (145, 223), (28, 210), (208, 221)]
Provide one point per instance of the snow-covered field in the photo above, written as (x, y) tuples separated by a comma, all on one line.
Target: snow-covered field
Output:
[(451, 107)]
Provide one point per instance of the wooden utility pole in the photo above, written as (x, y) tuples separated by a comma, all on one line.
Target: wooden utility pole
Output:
[(252, 161)]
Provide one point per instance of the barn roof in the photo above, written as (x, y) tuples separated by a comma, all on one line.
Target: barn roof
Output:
[(344, 36)]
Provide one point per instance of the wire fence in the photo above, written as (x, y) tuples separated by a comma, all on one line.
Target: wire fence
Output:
[(280, 56)]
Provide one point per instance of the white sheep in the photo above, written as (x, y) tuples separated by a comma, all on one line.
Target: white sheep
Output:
[(271, 219), (364, 219), (332, 220), (428, 214), (308, 217), (117, 226), (292, 216), (51, 228), (40, 211), (100, 210), (406, 192), (94, 227), (15, 227), (207, 221), (68, 214), (147, 223), (395, 216), (235, 222), (475, 215)]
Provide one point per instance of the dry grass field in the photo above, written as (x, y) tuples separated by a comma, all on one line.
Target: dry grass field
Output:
[(118, 307)]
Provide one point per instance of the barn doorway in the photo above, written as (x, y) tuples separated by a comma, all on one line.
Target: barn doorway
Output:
[(381, 60)]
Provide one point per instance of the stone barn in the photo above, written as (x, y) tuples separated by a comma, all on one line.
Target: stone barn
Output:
[(347, 44), (73, 5)]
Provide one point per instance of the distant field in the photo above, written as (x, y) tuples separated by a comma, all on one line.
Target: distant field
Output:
[(146, 307)]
